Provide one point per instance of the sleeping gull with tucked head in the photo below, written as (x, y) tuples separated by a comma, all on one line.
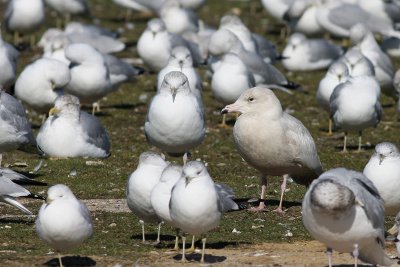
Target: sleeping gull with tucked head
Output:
[(71, 132), (272, 141), (343, 210)]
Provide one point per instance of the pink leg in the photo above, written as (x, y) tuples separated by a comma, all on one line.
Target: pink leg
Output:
[(329, 253), (355, 255), (283, 188), (261, 207)]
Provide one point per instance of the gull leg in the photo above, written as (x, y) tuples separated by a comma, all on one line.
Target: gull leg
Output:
[(345, 143), (203, 250), (16, 38), (185, 158), (223, 123), (59, 260), (192, 248), (283, 188), (1, 159), (176, 247), (329, 253), (355, 255), (330, 126), (159, 231), (95, 107), (359, 141), (183, 248), (261, 207), (143, 238)]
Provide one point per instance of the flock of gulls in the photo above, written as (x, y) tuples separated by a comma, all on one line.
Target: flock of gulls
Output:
[(343, 208)]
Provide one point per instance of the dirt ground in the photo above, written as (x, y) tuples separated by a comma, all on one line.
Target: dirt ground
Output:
[(306, 253)]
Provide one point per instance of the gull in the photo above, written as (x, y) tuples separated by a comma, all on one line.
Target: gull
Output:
[(90, 76), (131, 5), (181, 60), (343, 210), (67, 8), (336, 74), (230, 80), (354, 106), (102, 42), (90, 29), (277, 8), (8, 64), (357, 63), (178, 19), (41, 82), (224, 41), (161, 194), (71, 132), (10, 189), (24, 16), (196, 205), (140, 185), (175, 118), (302, 17), (63, 222), (383, 169), (302, 54), (363, 38), (15, 129), (395, 230), (396, 85), (292, 151), (155, 44)]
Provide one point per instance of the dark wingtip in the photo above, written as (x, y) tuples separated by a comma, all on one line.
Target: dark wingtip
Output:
[(36, 196)]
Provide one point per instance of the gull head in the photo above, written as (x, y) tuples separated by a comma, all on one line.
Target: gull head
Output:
[(339, 70), (194, 170), (230, 20), (171, 173), (59, 191), (358, 32), (331, 197), (258, 99), (181, 57), (152, 158), (223, 41), (296, 39), (155, 26), (66, 105), (175, 82), (386, 150)]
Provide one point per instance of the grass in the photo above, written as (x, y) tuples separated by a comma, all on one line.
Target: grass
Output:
[(123, 115)]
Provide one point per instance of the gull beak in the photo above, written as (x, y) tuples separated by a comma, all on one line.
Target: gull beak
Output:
[(54, 111), (173, 92), (231, 108), (381, 158), (188, 179), (53, 85), (181, 64), (393, 230)]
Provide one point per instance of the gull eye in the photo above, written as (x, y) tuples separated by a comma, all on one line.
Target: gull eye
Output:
[(198, 173), (250, 99)]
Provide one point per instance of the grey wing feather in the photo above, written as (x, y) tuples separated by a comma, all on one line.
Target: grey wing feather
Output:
[(379, 111), (321, 49), (225, 195), (8, 13), (97, 135), (302, 144), (333, 100), (347, 15), (119, 67), (9, 188), (85, 211), (12, 54)]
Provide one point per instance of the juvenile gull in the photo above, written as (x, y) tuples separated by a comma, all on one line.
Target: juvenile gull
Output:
[(230, 79), (383, 169), (15, 129), (10, 190), (41, 82), (272, 141), (302, 54), (181, 60), (196, 205), (343, 210), (140, 185), (336, 74), (71, 132), (175, 118), (63, 222)]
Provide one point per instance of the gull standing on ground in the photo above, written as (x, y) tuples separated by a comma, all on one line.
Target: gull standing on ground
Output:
[(66, 8), (8, 63), (181, 60), (24, 16), (41, 82), (140, 185), (272, 141), (383, 169), (175, 118), (354, 106), (196, 205), (336, 74), (357, 63), (178, 19), (63, 222), (301, 16), (343, 210), (302, 54), (90, 76), (230, 79), (15, 129), (71, 132), (10, 190)]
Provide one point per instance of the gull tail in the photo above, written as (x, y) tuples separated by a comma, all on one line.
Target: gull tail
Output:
[(375, 254), (13, 202)]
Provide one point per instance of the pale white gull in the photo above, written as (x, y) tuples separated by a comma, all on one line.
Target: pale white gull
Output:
[(343, 210), (8, 64), (178, 19), (63, 222)]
